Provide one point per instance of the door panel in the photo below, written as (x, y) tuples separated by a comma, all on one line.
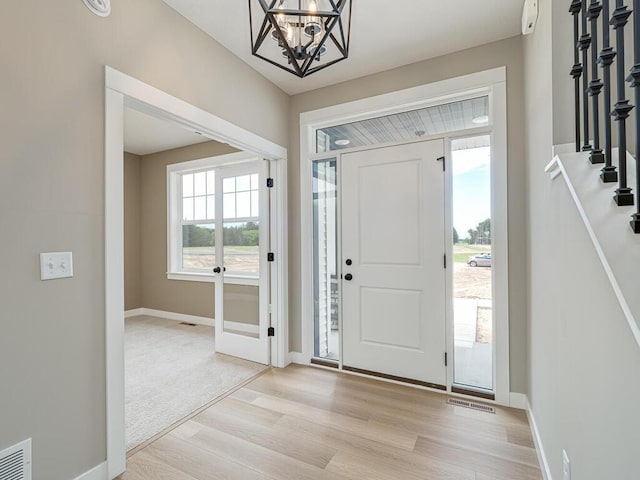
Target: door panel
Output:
[(384, 246), (393, 227), (241, 311), (378, 306)]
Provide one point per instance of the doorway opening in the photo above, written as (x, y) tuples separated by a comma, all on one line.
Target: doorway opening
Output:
[(395, 184), (210, 311), (180, 188)]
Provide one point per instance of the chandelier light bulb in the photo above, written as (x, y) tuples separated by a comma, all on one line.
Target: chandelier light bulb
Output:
[(290, 34), (281, 18), (312, 25)]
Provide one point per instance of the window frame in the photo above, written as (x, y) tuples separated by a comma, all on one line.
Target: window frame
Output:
[(235, 164)]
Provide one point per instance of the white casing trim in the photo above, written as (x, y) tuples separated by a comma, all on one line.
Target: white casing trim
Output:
[(490, 82), (96, 473), (121, 89), (206, 278), (537, 440)]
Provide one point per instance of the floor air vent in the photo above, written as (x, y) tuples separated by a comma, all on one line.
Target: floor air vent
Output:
[(475, 406), (15, 462)]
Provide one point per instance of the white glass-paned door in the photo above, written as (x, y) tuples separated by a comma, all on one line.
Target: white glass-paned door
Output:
[(242, 239)]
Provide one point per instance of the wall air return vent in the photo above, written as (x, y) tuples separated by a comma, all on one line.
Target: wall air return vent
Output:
[(102, 8), (15, 462), (475, 406)]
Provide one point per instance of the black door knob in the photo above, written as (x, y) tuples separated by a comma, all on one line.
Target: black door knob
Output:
[(217, 270), (349, 262), (348, 277)]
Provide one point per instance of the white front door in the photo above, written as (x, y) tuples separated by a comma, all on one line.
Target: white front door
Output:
[(242, 242), (393, 234)]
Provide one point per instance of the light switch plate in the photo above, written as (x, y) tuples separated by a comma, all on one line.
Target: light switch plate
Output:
[(566, 466), (56, 265)]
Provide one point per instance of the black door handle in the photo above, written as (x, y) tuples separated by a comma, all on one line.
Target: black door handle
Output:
[(349, 262), (218, 269), (348, 277)]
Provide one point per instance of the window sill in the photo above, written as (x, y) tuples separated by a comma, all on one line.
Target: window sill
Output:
[(209, 278)]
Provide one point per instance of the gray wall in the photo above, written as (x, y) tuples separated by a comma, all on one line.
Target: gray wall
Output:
[(178, 296), (504, 53), (52, 190), (159, 293), (132, 224), (583, 361)]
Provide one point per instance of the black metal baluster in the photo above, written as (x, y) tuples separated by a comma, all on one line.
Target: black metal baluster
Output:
[(576, 70), (623, 195), (634, 79), (609, 173), (583, 45), (595, 86)]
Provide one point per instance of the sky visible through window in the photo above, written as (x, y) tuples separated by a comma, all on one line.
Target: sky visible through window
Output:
[(472, 187)]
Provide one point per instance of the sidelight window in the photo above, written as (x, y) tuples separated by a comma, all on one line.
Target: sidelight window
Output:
[(325, 259), (473, 263)]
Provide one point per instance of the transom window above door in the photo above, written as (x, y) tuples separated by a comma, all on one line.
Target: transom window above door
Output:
[(407, 125), (214, 221)]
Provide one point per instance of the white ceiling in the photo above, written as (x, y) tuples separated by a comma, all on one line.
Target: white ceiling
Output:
[(144, 135), (385, 33)]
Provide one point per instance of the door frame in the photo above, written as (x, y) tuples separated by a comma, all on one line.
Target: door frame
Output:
[(123, 90), (490, 82)]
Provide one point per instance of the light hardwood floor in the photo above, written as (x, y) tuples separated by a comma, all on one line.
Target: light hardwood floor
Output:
[(306, 424)]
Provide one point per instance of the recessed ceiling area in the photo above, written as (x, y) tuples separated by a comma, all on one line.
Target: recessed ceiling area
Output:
[(406, 126), (384, 34), (144, 134)]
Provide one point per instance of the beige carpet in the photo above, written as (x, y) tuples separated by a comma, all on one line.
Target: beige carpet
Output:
[(171, 370)]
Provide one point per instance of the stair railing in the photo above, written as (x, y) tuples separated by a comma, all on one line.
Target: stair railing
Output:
[(587, 30)]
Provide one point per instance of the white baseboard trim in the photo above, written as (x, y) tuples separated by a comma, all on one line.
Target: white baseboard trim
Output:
[(181, 317), (298, 358), (518, 400), (178, 317), (134, 313), (96, 473), (537, 440)]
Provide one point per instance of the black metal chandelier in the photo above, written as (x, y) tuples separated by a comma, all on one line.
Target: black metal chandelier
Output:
[(300, 36)]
